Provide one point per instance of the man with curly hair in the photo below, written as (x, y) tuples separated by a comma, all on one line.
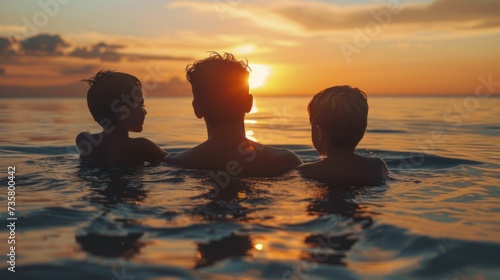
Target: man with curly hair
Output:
[(221, 97)]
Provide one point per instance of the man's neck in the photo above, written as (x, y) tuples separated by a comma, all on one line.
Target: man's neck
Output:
[(339, 151), (226, 133)]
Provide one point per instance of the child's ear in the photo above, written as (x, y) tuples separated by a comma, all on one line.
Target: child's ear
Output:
[(123, 112), (249, 103), (322, 140), (322, 135), (197, 110)]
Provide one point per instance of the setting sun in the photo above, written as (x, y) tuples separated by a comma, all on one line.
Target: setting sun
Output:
[(258, 75)]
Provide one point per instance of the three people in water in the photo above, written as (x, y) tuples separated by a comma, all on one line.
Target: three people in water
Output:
[(338, 117)]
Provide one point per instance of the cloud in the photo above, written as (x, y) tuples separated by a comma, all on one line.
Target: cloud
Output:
[(100, 50), (173, 87), (447, 13), (43, 44), (11, 29), (78, 70), (2, 71), (71, 89), (310, 18), (5, 45), (106, 52), (261, 13), (53, 45), (137, 57)]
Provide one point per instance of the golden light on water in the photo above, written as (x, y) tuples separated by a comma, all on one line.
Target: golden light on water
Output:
[(258, 75)]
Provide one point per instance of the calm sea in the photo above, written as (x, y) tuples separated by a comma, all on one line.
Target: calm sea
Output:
[(439, 218)]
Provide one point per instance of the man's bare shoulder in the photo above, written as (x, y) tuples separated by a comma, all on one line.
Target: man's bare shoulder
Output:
[(278, 159), (189, 157), (284, 154), (306, 167)]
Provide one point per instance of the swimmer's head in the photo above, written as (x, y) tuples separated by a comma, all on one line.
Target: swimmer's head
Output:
[(116, 98), (220, 88), (338, 117)]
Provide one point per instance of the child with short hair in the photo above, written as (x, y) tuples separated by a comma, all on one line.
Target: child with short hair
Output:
[(116, 102), (338, 117)]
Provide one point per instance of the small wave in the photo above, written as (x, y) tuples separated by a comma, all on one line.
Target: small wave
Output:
[(91, 269), (436, 257), (493, 127), (53, 217), (405, 160), (42, 150)]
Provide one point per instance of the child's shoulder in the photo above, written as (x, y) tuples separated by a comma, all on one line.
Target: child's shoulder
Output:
[(85, 140), (143, 149), (98, 149), (354, 170), (279, 157), (84, 136), (377, 163), (91, 147)]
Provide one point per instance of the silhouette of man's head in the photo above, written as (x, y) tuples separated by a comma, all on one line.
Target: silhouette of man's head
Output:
[(338, 117), (116, 98), (220, 88)]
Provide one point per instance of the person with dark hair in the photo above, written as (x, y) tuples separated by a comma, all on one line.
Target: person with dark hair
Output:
[(116, 102), (221, 97), (338, 117)]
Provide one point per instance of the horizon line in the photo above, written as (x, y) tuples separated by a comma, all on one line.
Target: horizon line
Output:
[(271, 95)]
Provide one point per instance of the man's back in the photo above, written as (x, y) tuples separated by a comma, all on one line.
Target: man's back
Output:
[(221, 97), (237, 158)]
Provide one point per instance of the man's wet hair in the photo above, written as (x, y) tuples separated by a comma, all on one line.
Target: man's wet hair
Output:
[(220, 87)]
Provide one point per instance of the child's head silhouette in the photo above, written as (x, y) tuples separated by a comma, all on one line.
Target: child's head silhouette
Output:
[(115, 98), (338, 117)]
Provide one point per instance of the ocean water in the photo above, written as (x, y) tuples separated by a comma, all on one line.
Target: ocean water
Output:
[(438, 218)]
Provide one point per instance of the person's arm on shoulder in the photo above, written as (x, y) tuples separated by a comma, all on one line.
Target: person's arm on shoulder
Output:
[(303, 166), (291, 159), (148, 151), (170, 158)]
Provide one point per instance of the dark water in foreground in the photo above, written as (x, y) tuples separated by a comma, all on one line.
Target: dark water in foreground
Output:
[(439, 217)]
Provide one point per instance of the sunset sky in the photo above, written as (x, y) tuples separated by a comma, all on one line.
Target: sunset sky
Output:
[(294, 47)]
